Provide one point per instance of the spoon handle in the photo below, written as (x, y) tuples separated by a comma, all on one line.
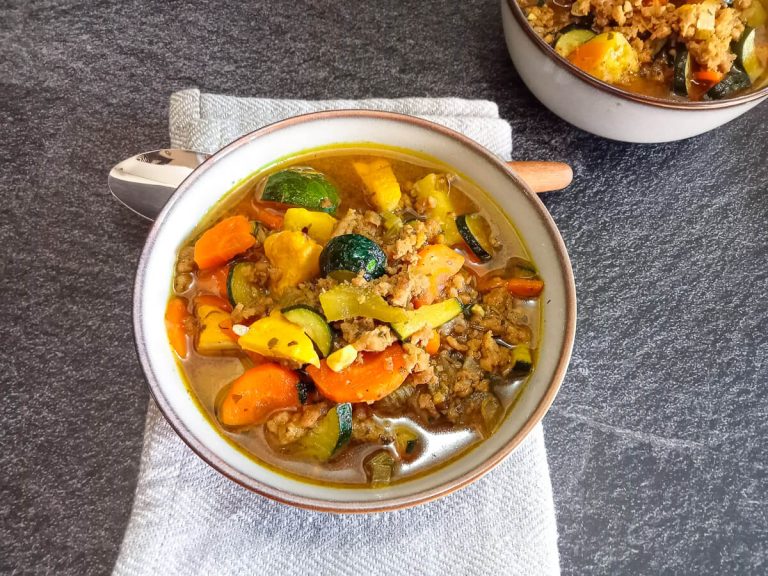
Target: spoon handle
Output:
[(543, 176)]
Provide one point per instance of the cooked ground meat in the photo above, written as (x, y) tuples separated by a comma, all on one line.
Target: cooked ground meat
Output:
[(706, 28), (365, 427), (288, 426), (439, 387), (352, 330), (376, 340), (354, 222)]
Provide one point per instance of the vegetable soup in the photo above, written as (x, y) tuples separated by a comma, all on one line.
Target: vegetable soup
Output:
[(678, 49), (355, 316)]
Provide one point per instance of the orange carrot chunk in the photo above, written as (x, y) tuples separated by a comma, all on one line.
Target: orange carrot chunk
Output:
[(268, 214), (379, 374), (175, 315), (223, 241), (707, 76), (259, 392), (433, 345), (213, 280), (525, 287)]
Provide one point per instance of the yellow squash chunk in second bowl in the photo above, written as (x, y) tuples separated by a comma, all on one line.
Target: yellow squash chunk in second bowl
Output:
[(608, 57)]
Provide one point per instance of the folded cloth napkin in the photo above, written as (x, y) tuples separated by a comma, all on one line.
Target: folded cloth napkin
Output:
[(188, 519)]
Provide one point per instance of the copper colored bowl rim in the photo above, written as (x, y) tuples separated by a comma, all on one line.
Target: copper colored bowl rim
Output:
[(564, 63), (361, 506)]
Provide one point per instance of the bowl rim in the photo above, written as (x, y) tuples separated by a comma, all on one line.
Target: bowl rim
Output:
[(357, 506), (689, 106)]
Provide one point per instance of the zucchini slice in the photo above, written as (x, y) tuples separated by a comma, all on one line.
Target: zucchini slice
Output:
[(434, 315), (302, 186), (346, 301), (683, 72), (746, 55), (330, 435), (314, 325), (572, 39), (345, 256), (240, 289), (733, 82), (521, 359), (476, 232), (406, 441)]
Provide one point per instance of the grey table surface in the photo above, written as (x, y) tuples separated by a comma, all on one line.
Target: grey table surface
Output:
[(658, 441)]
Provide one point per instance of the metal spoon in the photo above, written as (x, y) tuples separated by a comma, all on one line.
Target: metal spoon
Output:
[(145, 182)]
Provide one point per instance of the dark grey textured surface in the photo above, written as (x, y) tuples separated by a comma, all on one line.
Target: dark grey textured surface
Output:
[(658, 442)]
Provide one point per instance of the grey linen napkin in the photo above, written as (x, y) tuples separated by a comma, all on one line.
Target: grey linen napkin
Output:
[(188, 519)]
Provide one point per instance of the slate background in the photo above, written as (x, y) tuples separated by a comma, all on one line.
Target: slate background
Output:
[(658, 439)]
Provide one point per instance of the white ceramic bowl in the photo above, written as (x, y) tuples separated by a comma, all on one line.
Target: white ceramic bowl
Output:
[(606, 110), (214, 178)]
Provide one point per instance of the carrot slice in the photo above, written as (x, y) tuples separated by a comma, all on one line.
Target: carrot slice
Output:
[(524, 287), (175, 315), (268, 214), (223, 241), (433, 345), (259, 392), (708, 76), (379, 374), (213, 280), (211, 300)]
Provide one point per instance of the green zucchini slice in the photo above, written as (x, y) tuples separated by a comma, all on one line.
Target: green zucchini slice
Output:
[(746, 55), (406, 441), (733, 82), (572, 39), (476, 232), (434, 316), (330, 435), (305, 187), (683, 72), (522, 361), (240, 289), (345, 256), (314, 325)]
